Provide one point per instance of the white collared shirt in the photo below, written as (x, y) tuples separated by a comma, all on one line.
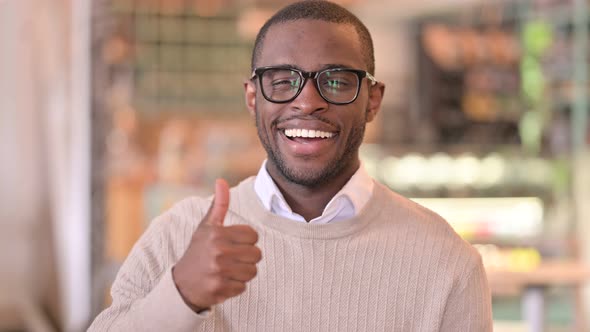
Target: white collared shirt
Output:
[(344, 205)]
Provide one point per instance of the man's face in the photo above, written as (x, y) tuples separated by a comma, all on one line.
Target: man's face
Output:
[(312, 45)]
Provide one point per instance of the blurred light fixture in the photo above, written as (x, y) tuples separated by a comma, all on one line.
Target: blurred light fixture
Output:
[(440, 167), (465, 172), (409, 171), (492, 171)]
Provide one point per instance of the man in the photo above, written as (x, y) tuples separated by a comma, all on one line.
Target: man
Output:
[(340, 251)]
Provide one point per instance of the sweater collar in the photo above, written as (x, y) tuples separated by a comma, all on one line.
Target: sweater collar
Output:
[(248, 205)]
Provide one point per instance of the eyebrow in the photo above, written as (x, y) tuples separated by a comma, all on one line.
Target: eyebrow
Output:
[(336, 65), (326, 66)]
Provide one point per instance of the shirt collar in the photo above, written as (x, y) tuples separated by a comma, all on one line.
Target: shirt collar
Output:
[(266, 189), (347, 203)]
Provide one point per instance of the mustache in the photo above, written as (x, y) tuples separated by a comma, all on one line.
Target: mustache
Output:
[(305, 118)]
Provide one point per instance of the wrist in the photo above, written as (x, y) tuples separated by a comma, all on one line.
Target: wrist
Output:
[(193, 307)]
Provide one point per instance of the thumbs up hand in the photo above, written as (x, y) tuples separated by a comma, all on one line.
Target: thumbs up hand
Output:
[(220, 259)]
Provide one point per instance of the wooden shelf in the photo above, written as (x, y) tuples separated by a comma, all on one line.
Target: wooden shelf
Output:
[(547, 274)]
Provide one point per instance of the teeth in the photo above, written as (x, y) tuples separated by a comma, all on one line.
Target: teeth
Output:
[(307, 133)]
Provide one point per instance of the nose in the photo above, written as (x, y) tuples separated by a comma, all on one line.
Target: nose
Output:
[(309, 100)]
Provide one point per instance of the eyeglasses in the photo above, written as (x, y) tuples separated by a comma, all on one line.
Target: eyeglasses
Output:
[(339, 86)]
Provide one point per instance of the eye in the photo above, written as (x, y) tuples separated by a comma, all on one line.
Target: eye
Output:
[(286, 81), (337, 80), (335, 83), (281, 79)]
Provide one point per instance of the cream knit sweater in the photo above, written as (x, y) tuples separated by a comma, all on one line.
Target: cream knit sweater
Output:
[(396, 266)]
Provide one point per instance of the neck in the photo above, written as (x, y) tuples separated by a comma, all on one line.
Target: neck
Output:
[(310, 201)]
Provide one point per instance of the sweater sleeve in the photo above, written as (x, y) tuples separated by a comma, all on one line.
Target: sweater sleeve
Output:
[(469, 306), (145, 297)]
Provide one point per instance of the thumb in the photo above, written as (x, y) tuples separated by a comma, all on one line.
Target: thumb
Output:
[(220, 203)]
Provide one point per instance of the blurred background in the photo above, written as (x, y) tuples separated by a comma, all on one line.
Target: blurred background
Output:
[(112, 110)]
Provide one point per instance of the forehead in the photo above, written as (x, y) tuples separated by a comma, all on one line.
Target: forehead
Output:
[(311, 45)]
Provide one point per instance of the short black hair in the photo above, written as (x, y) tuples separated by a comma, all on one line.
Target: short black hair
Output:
[(322, 11)]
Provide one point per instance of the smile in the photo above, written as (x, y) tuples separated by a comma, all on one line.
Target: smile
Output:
[(308, 133)]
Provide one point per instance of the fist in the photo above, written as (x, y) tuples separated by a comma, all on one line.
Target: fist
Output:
[(220, 259)]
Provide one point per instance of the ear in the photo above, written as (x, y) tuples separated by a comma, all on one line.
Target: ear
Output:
[(375, 99), (250, 96)]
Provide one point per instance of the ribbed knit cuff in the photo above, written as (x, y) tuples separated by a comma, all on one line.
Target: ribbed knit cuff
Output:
[(166, 310)]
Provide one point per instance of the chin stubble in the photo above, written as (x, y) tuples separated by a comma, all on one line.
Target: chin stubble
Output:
[(322, 176)]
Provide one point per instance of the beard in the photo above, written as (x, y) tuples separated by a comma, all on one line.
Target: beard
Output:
[(319, 177)]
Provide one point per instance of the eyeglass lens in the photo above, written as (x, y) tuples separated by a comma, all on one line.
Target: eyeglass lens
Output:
[(337, 86)]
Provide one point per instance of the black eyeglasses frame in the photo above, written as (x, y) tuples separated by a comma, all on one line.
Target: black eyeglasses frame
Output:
[(258, 72)]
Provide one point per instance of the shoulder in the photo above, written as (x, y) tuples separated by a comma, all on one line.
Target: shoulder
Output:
[(406, 210), (427, 225), (425, 234), (189, 211), (190, 207), (172, 229)]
